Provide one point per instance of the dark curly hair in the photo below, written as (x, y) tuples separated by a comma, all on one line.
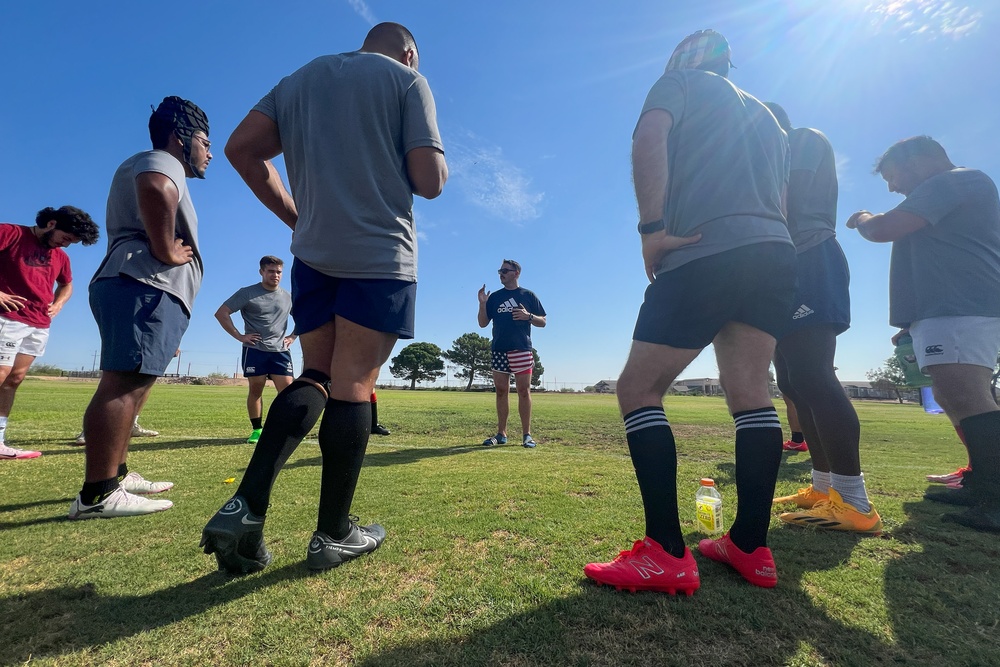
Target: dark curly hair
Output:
[(71, 220)]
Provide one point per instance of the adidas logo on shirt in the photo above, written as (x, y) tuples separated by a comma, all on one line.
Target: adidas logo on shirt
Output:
[(803, 311), (507, 306)]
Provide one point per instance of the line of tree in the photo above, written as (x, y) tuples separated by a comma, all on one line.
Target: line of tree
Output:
[(470, 352), (890, 377)]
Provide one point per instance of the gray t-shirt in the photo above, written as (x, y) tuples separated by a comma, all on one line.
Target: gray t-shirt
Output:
[(264, 312), (129, 253), (812, 189), (346, 123), (952, 266), (728, 164)]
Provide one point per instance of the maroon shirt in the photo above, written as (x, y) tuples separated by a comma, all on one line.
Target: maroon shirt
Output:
[(29, 269)]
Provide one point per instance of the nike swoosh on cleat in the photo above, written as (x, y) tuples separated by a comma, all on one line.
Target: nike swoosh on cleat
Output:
[(250, 522)]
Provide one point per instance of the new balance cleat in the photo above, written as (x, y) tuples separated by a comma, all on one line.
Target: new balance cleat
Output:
[(81, 440), (255, 436), (792, 446), (139, 485), (326, 552), (15, 453), (378, 429), (236, 536), (835, 514), (758, 567), (804, 498), (950, 477), (647, 567), (140, 432), (528, 441), (498, 439), (119, 503)]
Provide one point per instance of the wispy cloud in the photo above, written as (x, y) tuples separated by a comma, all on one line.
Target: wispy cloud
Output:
[(928, 18), (841, 163), (362, 9), (489, 181)]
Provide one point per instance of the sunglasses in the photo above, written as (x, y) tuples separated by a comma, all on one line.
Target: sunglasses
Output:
[(504, 272)]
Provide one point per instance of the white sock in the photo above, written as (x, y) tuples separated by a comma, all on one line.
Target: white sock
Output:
[(3, 428), (821, 481), (852, 489)]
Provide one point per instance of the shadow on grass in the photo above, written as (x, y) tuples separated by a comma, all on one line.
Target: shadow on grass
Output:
[(398, 457), (55, 621), (147, 446)]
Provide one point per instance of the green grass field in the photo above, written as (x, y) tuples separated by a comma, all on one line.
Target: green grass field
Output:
[(485, 549)]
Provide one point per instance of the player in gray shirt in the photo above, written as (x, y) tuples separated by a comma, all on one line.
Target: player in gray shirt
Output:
[(836, 499), (141, 297), (358, 132), (944, 287), (265, 308), (709, 164)]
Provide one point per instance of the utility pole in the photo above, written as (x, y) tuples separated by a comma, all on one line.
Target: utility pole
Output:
[(93, 368), (179, 363)]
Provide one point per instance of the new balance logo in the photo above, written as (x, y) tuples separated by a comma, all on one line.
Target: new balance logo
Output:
[(803, 311), (508, 306), (646, 567), (934, 349)]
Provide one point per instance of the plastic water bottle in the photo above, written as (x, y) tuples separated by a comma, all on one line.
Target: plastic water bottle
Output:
[(708, 506)]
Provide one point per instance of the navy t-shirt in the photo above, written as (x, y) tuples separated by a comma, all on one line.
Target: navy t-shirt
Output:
[(508, 333)]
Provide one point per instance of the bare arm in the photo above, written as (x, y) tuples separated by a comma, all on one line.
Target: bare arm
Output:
[(250, 149), (886, 227), (483, 295), (62, 294), (158, 198), (650, 175), (225, 317), (427, 171), (522, 313)]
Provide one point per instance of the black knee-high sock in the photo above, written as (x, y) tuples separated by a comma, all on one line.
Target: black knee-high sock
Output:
[(758, 456), (374, 412), (654, 456), (343, 437), (292, 415), (982, 435)]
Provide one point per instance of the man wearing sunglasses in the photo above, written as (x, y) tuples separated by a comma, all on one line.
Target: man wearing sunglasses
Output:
[(513, 311)]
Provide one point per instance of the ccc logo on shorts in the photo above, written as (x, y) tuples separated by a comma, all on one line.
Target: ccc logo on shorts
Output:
[(10, 344), (251, 369), (933, 349)]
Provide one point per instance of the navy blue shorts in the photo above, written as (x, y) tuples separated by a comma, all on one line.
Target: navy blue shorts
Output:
[(379, 304), (265, 362), (687, 307), (824, 294), (141, 327)]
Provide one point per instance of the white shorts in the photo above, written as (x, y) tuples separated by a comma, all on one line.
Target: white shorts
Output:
[(20, 338), (969, 340)]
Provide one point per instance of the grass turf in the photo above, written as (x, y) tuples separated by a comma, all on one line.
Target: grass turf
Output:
[(483, 561)]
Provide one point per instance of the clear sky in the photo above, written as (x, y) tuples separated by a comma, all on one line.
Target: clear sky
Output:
[(536, 103)]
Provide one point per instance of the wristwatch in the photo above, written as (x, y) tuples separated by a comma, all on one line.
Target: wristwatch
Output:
[(650, 227)]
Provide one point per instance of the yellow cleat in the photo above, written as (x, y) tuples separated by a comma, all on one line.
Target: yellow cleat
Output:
[(805, 498), (835, 514)]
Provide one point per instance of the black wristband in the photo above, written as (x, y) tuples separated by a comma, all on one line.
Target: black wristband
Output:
[(650, 227)]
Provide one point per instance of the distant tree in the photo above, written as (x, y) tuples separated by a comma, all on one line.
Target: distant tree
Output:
[(44, 369), (590, 389), (536, 376), (890, 377), (418, 362), (471, 353)]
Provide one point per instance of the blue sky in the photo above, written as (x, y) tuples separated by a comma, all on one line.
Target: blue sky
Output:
[(536, 103)]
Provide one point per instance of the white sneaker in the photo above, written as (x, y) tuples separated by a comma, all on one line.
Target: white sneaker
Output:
[(119, 503), (136, 483), (140, 432), (80, 440), (14, 453)]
